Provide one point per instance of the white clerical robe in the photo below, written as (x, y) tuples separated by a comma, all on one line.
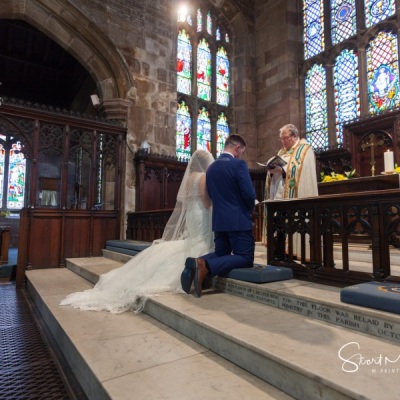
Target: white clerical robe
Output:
[(300, 180)]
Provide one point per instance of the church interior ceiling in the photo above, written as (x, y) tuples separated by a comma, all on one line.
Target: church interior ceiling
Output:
[(34, 68)]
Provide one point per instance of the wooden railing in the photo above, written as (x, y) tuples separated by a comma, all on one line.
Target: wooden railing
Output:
[(322, 223), (149, 225)]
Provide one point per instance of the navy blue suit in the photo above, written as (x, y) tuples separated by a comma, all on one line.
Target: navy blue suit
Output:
[(233, 197)]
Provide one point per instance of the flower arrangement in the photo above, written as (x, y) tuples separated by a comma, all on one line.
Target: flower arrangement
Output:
[(334, 177)]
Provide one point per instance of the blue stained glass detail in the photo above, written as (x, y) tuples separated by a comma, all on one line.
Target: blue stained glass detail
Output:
[(343, 12), (313, 17), (346, 90), (343, 20), (316, 107), (378, 10)]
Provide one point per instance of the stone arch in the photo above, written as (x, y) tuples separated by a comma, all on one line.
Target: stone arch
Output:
[(68, 27)]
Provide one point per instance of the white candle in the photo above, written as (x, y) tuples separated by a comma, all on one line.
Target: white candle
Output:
[(389, 161)]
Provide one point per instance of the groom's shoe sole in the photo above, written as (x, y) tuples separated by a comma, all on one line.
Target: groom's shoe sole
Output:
[(201, 273), (187, 275)]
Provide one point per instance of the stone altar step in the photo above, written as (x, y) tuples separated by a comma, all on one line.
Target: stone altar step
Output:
[(129, 355), (313, 300)]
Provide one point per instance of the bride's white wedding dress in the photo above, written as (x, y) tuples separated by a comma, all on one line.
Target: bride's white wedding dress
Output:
[(158, 268)]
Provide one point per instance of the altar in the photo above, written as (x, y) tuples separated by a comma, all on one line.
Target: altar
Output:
[(362, 184)]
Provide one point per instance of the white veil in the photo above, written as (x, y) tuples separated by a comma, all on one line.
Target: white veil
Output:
[(157, 269), (177, 227)]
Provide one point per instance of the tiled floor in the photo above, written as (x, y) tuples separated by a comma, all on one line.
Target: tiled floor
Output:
[(28, 366)]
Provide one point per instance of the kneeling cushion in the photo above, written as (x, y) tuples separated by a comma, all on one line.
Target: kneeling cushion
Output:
[(383, 296), (261, 274)]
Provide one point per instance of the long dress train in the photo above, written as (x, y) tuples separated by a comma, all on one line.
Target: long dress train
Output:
[(158, 268)]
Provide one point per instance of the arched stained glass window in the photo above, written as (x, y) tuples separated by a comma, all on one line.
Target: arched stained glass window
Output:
[(204, 130), (209, 87), (199, 20), (184, 63), (383, 72), (313, 20), (359, 82), (12, 174), (16, 178), (346, 87), (222, 132), (378, 10), (222, 77), (209, 24), (183, 131), (316, 110), (343, 16), (204, 70)]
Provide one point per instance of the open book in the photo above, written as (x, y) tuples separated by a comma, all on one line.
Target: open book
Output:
[(274, 162)]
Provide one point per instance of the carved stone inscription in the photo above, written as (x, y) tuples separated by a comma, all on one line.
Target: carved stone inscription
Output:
[(248, 292), (383, 328)]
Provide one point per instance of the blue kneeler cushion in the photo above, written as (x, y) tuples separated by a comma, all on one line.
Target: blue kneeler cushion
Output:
[(383, 296), (261, 274), (130, 247)]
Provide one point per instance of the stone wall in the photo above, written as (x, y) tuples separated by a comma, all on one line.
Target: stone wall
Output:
[(278, 53)]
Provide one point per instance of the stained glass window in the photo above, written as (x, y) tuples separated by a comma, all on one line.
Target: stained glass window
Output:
[(378, 10), (209, 24), (361, 64), (204, 70), (203, 82), (218, 34), (222, 77), (199, 20), (184, 63), (16, 178), (204, 130), (222, 132), (183, 131), (316, 110), (313, 21), (343, 16), (346, 89), (2, 170), (383, 72)]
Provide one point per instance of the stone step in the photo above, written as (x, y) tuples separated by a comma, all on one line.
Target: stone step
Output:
[(316, 301), (116, 356), (131, 355)]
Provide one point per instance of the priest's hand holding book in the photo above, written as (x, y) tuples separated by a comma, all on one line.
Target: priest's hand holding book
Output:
[(275, 166)]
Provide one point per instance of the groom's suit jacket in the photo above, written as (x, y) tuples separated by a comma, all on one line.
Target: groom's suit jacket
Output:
[(232, 193)]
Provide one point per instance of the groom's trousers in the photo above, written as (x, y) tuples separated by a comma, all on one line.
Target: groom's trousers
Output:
[(232, 250)]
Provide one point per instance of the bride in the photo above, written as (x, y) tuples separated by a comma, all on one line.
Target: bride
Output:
[(158, 268)]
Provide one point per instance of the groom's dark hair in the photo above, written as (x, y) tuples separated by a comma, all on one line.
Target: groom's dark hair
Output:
[(234, 139)]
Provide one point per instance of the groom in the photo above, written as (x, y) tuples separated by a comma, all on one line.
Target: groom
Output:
[(233, 198)]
